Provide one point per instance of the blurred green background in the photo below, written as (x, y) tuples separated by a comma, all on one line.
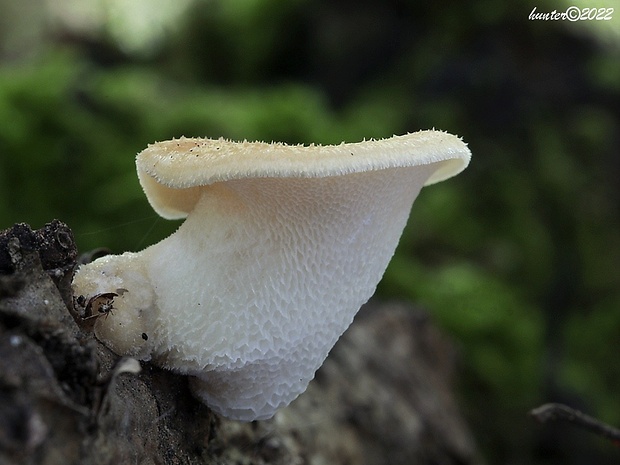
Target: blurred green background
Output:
[(517, 258)]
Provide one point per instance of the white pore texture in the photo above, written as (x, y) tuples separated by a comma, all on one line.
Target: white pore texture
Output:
[(288, 264)]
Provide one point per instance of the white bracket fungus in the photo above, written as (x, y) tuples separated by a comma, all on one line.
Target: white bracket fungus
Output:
[(281, 246)]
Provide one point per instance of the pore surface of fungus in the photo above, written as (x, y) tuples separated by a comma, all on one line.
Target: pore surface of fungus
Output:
[(281, 246)]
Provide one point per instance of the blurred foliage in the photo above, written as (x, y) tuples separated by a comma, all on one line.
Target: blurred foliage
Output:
[(516, 257)]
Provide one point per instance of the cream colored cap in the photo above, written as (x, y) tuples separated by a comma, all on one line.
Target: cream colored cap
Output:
[(174, 172)]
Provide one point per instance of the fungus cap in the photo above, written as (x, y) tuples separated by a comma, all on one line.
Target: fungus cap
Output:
[(281, 246), (172, 172)]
